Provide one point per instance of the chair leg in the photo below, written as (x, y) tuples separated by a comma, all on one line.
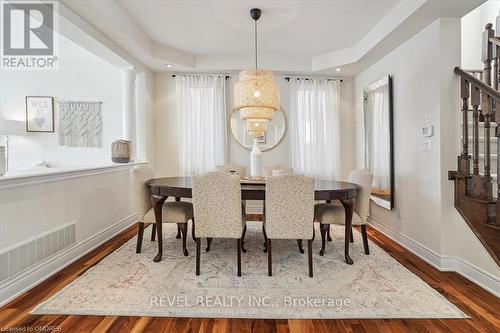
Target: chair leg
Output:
[(365, 239), (299, 243), (323, 228), (153, 232), (140, 234), (198, 246), (238, 251), (265, 238), (329, 237), (310, 256), (178, 236), (193, 229), (269, 258), (351, 238), (209, 243), (243, 239), (183, 228)]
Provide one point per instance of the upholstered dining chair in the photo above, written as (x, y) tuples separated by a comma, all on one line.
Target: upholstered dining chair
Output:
[(289, 213), (334, 213), (228, 167), (218, 210), (241, 171), (268, 171), (179, 212)]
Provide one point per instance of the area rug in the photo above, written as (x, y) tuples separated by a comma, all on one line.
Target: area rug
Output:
[(129, 284)]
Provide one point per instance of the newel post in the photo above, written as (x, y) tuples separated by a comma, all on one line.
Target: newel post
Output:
[(464, 159)]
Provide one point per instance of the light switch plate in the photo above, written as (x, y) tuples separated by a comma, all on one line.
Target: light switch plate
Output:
[(428, 117), (428, 131)]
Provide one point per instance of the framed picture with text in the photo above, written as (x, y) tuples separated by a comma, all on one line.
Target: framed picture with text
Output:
[(39, 114)]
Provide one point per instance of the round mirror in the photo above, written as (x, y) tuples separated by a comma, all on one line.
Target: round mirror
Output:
[(274, 134)]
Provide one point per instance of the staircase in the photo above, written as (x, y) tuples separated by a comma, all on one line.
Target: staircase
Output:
[(477, 186)]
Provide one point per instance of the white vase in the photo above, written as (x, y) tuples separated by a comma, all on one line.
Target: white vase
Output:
[(3, 160), (256, 160)]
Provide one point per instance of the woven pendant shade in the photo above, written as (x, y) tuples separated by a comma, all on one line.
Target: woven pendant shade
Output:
[(256, 95)]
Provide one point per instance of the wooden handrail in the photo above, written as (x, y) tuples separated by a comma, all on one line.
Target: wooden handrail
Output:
[(495, 40), (478, 83)]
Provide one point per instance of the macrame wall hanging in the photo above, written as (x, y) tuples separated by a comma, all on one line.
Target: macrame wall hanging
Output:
[(80, 124)]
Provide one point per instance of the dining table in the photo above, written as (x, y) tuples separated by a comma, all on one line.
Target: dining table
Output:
[(180, 187)]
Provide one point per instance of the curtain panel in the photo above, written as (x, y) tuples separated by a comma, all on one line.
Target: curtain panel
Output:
[(378, 138), (315, 127), (201, 123)]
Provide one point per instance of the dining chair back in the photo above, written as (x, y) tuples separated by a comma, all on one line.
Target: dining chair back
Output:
[(277, 168), (240, 170), (289, 212), (217, 209), (141, 194), (364, 179)]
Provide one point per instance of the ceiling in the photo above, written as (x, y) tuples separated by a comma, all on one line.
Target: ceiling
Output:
[(342, 37), (301, 28)]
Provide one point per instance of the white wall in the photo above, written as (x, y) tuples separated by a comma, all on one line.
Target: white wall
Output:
[(165, 128), (472, 28), (81, 76), (424, 213)]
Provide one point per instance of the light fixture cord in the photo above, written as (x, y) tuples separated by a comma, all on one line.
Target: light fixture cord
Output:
[(255, 36)]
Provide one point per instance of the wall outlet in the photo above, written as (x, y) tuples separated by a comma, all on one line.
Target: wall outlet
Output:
[(427, 145)]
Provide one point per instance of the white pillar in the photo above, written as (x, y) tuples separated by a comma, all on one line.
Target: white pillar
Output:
[(129, 116)]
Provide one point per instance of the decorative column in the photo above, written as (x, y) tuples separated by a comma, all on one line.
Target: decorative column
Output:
[(129, 116)]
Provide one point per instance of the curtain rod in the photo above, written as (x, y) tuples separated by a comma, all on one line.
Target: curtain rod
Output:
[(312, 78), (209, 75), (228, 76)]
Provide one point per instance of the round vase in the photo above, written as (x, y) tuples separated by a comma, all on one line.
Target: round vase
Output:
[(256, 160)]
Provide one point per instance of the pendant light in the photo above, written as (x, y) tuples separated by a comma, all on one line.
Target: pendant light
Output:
[(256, 95)]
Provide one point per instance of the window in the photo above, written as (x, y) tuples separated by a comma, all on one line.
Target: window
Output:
[(314, 127), (201, 123)]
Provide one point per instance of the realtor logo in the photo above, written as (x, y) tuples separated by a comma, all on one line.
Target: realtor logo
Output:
[(28, 35)]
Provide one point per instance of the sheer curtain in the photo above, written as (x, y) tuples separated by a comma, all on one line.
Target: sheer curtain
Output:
[(201, 123), (314, 127), (378, 137)]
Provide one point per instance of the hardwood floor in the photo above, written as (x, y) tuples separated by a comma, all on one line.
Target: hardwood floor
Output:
[(481, 306)]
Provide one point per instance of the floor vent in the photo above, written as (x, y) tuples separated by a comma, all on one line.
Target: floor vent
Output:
[(22, 256)]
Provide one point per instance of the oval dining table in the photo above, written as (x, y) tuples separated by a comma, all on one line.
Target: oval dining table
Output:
[(180, 187)]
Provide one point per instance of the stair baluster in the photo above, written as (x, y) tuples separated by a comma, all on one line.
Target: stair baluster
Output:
[(475, 129)]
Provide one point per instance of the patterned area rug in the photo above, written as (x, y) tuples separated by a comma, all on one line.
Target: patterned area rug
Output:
[(129, 284)]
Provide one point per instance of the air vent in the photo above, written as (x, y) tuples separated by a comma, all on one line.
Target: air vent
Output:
[(22, 256)]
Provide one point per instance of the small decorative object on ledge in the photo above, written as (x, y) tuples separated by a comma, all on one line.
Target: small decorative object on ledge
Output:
[(3, 161), (120, 151)]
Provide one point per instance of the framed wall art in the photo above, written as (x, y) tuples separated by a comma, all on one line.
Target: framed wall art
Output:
[(39, 114)]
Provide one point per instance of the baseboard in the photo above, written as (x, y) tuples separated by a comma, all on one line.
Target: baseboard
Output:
[(471, 272), (44, 270)]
